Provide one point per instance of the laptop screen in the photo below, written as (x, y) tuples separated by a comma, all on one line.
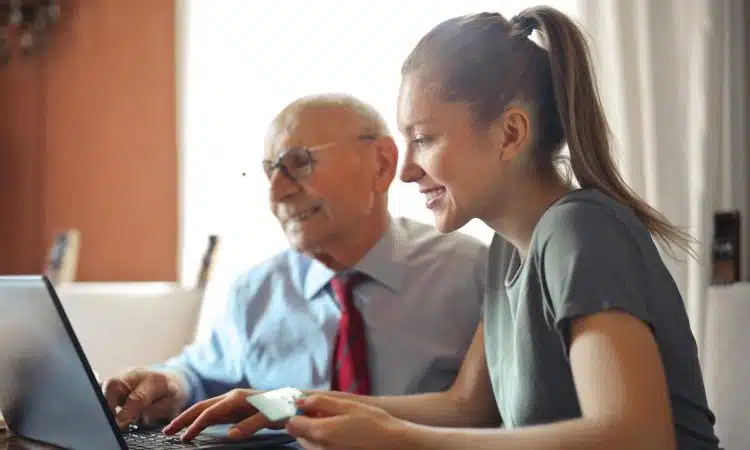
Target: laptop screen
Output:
[(47, 389)]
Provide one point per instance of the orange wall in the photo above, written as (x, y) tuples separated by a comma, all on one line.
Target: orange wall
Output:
[(88, 140)]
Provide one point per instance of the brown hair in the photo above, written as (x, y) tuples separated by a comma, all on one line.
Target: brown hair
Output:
[(488, 61)]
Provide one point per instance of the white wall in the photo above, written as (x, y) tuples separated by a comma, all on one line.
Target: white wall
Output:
[(240, 62)]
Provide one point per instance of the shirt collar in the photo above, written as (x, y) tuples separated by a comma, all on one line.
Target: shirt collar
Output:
[(384, 263)]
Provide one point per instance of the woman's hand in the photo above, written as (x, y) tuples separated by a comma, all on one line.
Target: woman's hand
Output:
[(228, 408), (331, 424)]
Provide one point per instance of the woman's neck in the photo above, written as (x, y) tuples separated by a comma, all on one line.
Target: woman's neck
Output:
[(523, 209)]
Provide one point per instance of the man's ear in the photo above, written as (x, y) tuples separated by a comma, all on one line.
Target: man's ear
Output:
[(510, 133), (386, 162)]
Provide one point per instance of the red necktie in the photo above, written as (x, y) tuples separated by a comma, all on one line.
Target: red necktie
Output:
[(350, 372)]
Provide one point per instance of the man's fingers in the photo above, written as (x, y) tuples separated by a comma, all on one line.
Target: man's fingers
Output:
[(204, 419), (223, 411), (140, 397), (250, 426), (278, 425), (115, 391), (324, 406), (158, 410), (189, 415)]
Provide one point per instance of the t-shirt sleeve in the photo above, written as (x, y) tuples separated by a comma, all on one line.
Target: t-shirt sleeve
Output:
[(591, 261)]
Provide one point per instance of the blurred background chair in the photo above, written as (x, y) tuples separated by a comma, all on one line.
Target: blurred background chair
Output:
[(126, 324)]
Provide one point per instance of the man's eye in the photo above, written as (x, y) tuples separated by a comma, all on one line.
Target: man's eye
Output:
[(296, 160)]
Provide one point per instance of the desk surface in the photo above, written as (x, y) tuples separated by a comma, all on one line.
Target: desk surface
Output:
[(8, 442)]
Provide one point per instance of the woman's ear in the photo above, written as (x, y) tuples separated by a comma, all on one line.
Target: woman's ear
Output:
[(510, 133)]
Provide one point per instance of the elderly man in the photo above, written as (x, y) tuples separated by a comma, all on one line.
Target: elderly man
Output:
[(362, 302)]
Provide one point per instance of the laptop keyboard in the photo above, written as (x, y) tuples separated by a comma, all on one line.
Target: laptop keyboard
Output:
[(156, 440)]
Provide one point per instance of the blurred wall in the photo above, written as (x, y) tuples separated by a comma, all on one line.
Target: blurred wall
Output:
[(88, 140)]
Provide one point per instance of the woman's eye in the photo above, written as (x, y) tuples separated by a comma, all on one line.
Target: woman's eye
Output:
[(421, 140)]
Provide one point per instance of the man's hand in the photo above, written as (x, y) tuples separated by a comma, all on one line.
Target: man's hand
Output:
[(231, 407), (145, 395)]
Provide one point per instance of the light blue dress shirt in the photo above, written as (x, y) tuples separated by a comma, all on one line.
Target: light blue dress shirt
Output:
[(421, 310)]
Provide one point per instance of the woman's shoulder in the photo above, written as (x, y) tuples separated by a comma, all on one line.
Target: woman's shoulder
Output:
[(590, 205), (588, 215)]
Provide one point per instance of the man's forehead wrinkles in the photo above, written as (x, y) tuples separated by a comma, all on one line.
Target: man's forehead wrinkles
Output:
[(283, 140), (284, 127), (285, 143), (309, 127)]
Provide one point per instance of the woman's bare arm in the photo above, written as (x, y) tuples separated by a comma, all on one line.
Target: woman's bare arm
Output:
[(621, 387), (470, 402)]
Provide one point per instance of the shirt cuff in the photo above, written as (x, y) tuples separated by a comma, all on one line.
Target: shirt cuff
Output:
[(190, 382)]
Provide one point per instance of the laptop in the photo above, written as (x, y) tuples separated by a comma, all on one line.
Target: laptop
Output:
[(48, 391)]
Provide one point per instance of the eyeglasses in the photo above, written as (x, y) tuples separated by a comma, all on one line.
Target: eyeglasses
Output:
[(298, 163)]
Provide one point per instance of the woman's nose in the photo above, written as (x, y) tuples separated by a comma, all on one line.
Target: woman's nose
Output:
[(410, 171)]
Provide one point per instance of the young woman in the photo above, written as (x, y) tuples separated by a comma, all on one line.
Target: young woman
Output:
[(585, 342)]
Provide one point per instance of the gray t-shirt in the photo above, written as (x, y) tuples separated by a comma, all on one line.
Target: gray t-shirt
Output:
[(588, 254)]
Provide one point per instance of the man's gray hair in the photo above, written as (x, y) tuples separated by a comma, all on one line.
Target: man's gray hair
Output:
[(375, 122)]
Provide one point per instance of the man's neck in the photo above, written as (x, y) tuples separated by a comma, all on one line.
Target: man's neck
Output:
[(350, 249)]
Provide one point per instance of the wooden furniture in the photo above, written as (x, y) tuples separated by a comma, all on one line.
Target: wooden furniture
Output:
[(62, 261)]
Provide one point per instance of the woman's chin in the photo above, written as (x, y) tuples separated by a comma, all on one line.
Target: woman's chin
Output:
[(446, 222)]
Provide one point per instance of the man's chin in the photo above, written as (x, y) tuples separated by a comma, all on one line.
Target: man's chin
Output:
[(303, 245)]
